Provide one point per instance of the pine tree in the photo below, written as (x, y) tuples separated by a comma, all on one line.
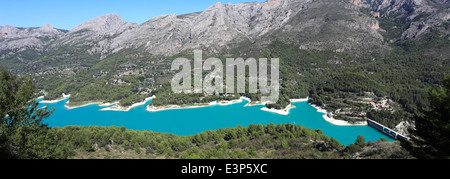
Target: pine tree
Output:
[(360, 141), (430, 137), (18, 109)]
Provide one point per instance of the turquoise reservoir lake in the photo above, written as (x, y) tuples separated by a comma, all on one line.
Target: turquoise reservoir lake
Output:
[(195, 120)]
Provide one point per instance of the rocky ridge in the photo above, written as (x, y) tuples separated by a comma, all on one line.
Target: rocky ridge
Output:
[(337, 25), (424, 15)]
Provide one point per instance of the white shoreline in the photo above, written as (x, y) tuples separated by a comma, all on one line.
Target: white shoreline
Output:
[(319, 109), (223, 103), (173, 107), (84, 105), (284, 111), (300, 100), (108, 104), (54, 101), (112, 108), (117, 107), (334, 121)]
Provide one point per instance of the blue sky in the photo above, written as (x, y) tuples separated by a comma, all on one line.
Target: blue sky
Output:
[(66, 14)]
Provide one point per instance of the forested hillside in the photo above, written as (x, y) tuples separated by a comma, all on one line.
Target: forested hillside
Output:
[(256, 141)]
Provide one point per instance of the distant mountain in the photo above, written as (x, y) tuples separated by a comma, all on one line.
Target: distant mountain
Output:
[(16, 39), (338, 25)]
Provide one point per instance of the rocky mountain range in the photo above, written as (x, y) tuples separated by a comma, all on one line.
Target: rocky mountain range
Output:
[(17, 39), (339, 25)]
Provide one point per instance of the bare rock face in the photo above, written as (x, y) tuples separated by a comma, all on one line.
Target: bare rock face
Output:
[(95, 33), (10, 32), (47, 30), (338, 26), (214, 28), (424, 15), (16, 39), (108, 24), (161, 35), (315, 25), (417, 29)]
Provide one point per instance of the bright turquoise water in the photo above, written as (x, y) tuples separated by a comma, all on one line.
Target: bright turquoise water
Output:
[(195, 120)]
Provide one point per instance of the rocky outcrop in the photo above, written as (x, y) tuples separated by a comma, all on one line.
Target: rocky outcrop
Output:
[(424, 15), (10, 32), (417, 29), (107, 25), (17, 39), (337, 26)]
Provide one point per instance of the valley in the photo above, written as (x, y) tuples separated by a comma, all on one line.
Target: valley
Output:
[(357, 59)]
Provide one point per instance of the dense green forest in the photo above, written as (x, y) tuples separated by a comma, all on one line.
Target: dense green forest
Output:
[(430, 137), (97, 90), (115, 79), (256, 141)]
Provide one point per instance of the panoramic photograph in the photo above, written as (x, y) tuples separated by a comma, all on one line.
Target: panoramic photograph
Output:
[(234, 79)]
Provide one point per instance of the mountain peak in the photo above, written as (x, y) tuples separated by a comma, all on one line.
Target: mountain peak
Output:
[(8, 30), (109, 23), (47, 28), (217, 5)]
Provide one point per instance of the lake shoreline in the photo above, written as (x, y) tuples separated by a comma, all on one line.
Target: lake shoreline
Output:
[(117, 107), (199, 105), (54, 101), (179, 121), (113, 106), (328, 116), (284, 111)]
